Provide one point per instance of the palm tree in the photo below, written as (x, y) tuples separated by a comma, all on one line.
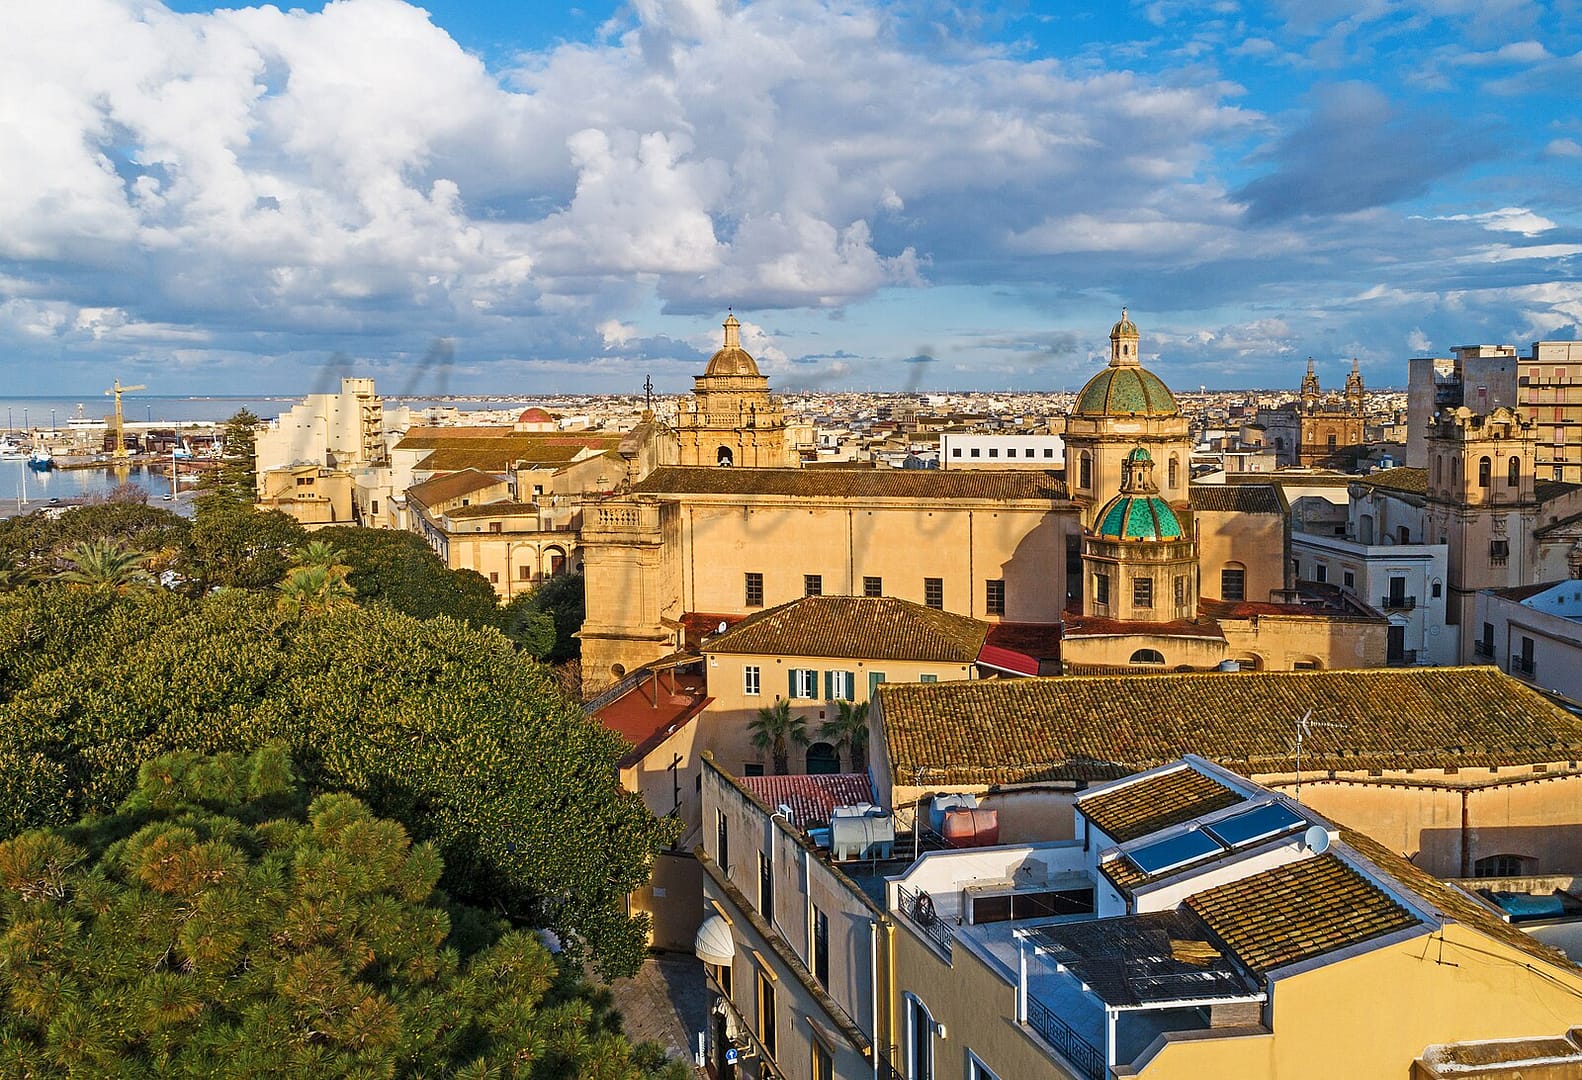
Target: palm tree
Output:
[(848, 730), (17, 576), (775, 729), (313, 590), (320, 553), (105, 562)]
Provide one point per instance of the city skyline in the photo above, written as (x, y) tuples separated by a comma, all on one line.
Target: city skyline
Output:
[(472, 198)]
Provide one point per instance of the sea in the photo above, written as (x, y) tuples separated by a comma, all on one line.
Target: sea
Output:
[(27, 489)]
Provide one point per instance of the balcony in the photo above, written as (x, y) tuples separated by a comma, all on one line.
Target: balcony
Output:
[(919, 909), (1398, 603), (1484, 649), (1523, 665), (1087, 1059)]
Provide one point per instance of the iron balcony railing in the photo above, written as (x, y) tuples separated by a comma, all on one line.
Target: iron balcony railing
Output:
[(1522, 665), (1483, 648), (918, 907), (1080, 1053), (1398, 603)]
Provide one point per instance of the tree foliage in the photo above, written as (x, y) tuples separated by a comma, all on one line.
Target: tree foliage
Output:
[(234, 546), (444, 728), (773, 731), (104, 563), (219, 924), (848, 731), (236, 480), (400, 571), (39, 541), (561, 599)]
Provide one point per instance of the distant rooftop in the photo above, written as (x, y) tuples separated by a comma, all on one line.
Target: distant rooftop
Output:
[(877, 628), (847, 483)]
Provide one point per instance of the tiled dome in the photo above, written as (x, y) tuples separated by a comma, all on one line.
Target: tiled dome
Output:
[(1137, 517), (1126, 391)]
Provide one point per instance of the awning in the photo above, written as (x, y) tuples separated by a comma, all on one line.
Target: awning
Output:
[(714, 943), (1007, 660)]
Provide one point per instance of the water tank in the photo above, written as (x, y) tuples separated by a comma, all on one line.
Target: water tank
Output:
[(863, 831), (974, 827), (940, 804)]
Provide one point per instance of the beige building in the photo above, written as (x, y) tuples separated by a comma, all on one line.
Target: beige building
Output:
[(314, 495), (1318, 431), (732, 420)]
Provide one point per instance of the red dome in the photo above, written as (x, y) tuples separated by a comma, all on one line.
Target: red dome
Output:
[(535, 416)]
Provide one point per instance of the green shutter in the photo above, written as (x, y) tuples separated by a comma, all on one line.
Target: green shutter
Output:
[(874, 679), (928, 678), (829, 686), (791, 687)]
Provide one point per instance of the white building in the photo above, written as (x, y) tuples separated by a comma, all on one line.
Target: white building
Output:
[(975, 450), (1534, 632)]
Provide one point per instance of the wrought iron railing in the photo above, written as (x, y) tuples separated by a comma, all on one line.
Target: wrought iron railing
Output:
[(1521, 665), (1483, 648), (918, 907), (1398, 603), (1080, 1053)]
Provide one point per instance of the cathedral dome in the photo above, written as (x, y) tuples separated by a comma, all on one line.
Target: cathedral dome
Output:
[(1126, 391), (1137, 513), (732, 359), (535, 416)]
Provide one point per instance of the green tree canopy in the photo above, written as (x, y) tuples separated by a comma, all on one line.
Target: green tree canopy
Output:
[(236, 480), (562, 600), (773, 731), (39, 541), (235, 546), (444, 728), (398, 570), (220, 925)]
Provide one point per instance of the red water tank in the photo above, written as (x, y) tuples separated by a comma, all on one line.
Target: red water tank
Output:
[(971, 828)]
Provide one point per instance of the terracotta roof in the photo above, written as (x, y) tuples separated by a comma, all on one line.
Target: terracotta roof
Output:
[(856, 627), (988, 484), (498, 449), (636, 718), (1041, 640), (504, 508), (1157, 802), (1236, 498), (1523, 592), (1412, 481), (811, 798), (1297, 912), (1549, 490), (452, 486), (1109, 726)]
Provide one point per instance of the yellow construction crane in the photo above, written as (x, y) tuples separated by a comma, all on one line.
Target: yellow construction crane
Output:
[(120, 425)]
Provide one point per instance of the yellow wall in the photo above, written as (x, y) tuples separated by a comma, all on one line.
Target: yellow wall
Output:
[(1258, 542)]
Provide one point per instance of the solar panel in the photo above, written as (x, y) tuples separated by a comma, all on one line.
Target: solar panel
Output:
[(1259, 823), (1178, 850)]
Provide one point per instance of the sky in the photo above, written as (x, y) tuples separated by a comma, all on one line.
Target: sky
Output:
[(520, 198)]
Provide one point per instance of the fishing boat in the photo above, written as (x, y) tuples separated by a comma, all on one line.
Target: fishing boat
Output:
[(10, 448), (41, 459)]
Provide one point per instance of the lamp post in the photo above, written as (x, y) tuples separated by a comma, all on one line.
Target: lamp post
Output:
[(52, 421)]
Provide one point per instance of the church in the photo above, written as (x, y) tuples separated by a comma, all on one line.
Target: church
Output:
[(1118, 564)]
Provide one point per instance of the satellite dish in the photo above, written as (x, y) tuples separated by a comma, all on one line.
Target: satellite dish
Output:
[(722, 629), (1317, 839)]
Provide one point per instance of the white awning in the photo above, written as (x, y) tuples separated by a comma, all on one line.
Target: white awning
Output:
[(714, 943)]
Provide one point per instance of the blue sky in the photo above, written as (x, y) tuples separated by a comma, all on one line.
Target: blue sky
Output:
[(522, 198)]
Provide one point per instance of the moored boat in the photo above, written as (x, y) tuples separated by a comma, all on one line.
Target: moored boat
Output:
[(41, 459)]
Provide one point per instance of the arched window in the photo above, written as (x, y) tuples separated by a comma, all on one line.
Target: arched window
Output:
[(1439, 469), (1085, 470), (1513, 472), (1148, 656), (822, 758), (554, 561), (919, 1040), (725, 456), (1485, 468), (1175, 471), (1501, 866)]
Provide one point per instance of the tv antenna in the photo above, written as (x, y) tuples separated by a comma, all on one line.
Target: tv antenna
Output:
[(1304, 729)]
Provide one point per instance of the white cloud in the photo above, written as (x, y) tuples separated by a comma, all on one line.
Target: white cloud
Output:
[(1563, 148), (1417, 342), (1514, 219)]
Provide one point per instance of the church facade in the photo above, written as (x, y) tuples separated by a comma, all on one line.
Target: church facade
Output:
[(1319, 431)]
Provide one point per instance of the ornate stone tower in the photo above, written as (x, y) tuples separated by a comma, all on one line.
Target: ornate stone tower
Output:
[(1354, 388), (1123, 407), (1139, 562), (1482, 503), (1310, 388), (731, 419)]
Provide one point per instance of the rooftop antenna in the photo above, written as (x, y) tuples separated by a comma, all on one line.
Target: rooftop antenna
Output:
[(1304, 728)]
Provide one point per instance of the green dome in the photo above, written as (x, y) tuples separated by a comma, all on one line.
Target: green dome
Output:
[(1126, 391), (1137, 517)]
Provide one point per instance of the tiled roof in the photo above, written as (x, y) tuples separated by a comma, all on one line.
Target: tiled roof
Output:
[(857, 627), (1236, 498), (1125, 391), (495, 509), (1412, 481), (853, 484), (1109, 726), (1297, 912), (452, 486), (498, 449), (1089, 626), (1157, 802), (635, 716), (811, 798), (1550, 490)]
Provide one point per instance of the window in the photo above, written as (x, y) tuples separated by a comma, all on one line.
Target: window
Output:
[(934, 592), (1010, 452), (812, 585), (755, 590), (766, 887), (1499, 551), (875, 680), (1296, 573), (1180, 591), (752, 768), (373, 504), (928, 678), (873, 586), (1049, 451), (1485, 469), (1349, 579), (840, 685), (1085, 470), (1321, 573), (820, 949), (494, 577), (496, 526), (1148, 656), (977, 1070), (1513, 472), (994, 597), (1499, 866), (524, 572), (722, 840), (976, 452), (766, 1012), (1143, 592), (1434, 590), (994, 452), (752, 682), (1101, 588), (955, 451), (1403, 535), (1175, 471), (1233, 582), (822, 759), (823, 1063), (804, 683)]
